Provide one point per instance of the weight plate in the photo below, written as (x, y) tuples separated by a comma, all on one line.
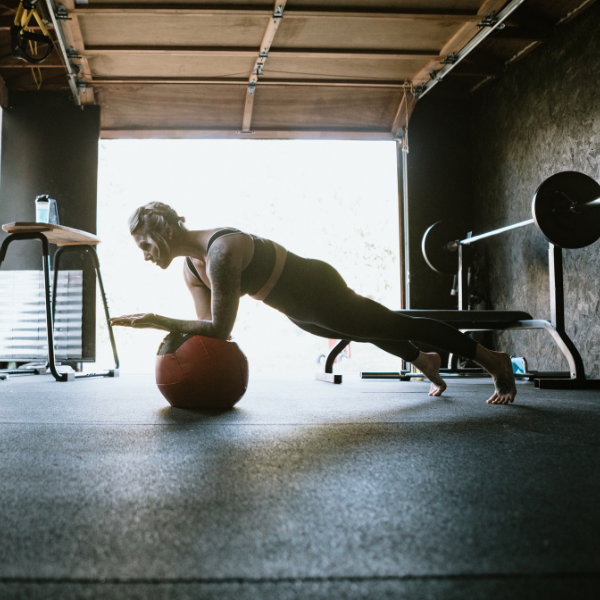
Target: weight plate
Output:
[(435, 247), (551, 210)]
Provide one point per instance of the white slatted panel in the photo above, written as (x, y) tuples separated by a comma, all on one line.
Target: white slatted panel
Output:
[(23, 316)]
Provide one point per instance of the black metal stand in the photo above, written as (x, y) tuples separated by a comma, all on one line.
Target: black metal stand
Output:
[(464, 259), (577, 379), (90, 252), (49, 301), (327, 374)]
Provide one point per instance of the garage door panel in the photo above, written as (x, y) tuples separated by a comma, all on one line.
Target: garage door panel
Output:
[(376, 33), (296, 107), (171, 106), (172, 30), (168, 65), (285, 67)]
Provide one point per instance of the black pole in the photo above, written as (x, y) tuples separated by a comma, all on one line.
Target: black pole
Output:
[(34, 235), (90, 252), (94, 257), (50, 312), (463, 276), (557, 293)]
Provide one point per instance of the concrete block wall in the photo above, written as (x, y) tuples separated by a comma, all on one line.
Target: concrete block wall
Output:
[(541, 117)]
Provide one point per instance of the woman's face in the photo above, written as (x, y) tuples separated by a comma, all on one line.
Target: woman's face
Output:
[(156, 252)]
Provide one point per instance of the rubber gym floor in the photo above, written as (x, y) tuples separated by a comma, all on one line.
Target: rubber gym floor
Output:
[(305, 490)]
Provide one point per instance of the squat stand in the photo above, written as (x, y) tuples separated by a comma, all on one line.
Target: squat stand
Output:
[(575, 379), (51, 298), (490, 320)]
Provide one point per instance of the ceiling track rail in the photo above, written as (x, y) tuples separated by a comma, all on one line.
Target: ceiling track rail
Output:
[(488, 25), (128, 11), (109, 81), (71, 68)]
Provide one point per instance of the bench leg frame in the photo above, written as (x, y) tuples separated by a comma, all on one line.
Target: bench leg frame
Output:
[(327, 374)]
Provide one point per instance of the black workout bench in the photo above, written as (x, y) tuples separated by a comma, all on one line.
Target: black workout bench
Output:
[(485, 320)]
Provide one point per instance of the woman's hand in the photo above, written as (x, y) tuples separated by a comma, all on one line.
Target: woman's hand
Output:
[(153, 321), (138, 321)]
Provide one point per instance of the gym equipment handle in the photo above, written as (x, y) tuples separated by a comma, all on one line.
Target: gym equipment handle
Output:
[(574, 208), (476, 238)]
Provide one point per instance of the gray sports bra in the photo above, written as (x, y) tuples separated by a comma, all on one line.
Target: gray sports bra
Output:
[(263, 271)]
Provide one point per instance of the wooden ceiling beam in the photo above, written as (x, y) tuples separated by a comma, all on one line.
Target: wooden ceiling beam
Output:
[(404, 112), (534, 19), (457, 41), (465, 33), (481, 57), (10, 62), (14, 66), (74, 39), (523, 32), (281, 134), (6, 23), (20, 79), (575, 11), (3, 94), (263, 53)]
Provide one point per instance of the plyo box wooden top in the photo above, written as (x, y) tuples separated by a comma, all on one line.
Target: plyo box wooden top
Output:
[(56, 234)]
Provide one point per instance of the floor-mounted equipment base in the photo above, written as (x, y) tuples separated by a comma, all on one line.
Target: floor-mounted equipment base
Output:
[(567, 384)]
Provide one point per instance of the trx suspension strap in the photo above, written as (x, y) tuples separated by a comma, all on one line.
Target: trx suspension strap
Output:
[(20, 37)]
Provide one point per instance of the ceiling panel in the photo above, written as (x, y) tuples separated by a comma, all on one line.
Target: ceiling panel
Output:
[(351, 68), (324, 107), (172, 29), (149, 64), (365, 33), (327, 66), (171, 106)]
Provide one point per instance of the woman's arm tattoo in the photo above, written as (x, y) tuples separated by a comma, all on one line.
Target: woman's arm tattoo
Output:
[(225, 277)]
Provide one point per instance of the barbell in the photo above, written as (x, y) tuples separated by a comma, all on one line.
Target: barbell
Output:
[(565, 208)]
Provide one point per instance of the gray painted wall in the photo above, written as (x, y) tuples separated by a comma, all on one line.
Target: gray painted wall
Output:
[(543, 116), (439, 187), (50, 146)]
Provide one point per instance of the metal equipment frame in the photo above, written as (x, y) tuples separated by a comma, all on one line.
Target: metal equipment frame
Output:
[(574, 379), (50, 299)]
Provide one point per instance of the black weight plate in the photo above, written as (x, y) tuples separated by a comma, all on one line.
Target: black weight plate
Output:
[(435, 247), (551, 213)]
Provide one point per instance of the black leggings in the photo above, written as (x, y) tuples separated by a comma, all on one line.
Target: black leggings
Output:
[(314, 296)]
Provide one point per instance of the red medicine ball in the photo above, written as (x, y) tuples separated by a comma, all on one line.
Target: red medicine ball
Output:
[(193, 371)]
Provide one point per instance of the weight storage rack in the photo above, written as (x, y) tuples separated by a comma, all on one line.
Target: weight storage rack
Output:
[(566, 209)]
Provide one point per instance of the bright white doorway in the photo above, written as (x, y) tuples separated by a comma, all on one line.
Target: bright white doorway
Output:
[(336, 201)]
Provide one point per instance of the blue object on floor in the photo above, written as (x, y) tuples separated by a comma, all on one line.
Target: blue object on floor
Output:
[(519, 365)]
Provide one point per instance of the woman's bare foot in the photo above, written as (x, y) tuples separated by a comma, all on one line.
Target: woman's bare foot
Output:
[(499, 366), (429, 363)]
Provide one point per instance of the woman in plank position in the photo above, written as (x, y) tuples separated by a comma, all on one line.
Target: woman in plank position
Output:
[(222, 265)]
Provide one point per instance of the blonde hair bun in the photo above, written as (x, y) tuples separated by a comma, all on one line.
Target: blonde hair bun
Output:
[(154, 218)]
